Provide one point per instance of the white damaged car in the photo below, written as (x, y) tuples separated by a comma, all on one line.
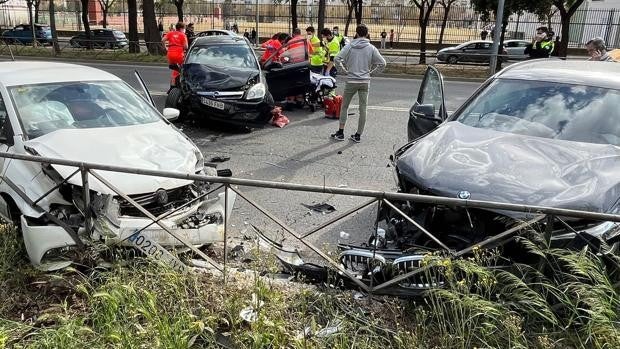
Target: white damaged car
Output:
[(79, 113)]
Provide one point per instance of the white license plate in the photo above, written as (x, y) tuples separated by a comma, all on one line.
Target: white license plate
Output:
[(155, 251), (213, 104)]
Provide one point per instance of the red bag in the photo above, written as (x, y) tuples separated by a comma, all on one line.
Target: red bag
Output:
[(279, 119), (332, 107)]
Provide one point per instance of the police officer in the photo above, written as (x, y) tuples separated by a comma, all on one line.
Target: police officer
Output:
[(332, 45), (542, 44), (339, 36)]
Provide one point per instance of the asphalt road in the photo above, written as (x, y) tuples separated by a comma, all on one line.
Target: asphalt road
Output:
[(302, 152)]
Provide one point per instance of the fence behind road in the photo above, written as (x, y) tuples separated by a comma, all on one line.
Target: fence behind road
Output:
[(462, 23), (537, 213)]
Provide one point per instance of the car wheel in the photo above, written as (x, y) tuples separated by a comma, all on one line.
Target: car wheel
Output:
[(174, 100), (453, 59)]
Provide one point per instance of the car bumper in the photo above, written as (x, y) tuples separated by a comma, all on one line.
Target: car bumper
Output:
[(198, 224), (233, 111)]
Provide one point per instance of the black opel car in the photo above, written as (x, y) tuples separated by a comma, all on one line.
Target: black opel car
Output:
[(221, 79)]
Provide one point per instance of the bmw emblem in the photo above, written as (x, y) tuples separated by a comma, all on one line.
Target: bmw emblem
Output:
[(463, 195), (161, 196)]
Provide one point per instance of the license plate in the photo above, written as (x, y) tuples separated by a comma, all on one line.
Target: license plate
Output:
[(155, 251), (213, 104)]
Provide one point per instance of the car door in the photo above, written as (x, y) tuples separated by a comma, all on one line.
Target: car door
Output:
[(469, 53), (5, 142), (429, 109), (483, 52), (287, 71)]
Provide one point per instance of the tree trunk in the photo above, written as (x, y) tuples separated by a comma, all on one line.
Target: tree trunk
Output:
[(358, 11), (349, 17), (105, 16), (321, 16), (36, 10), (29, 5), (562, 50), (179, 6), (502, 36), (134, 40), (422, 24), (52, 11), (89, 43), (444, 21), (151, 34), (294, 14)]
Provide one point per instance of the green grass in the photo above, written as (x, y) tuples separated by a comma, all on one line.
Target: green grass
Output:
[(571, 302), (122, 55)]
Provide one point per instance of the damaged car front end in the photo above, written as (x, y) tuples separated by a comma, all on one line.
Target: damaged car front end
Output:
[(98, 120)]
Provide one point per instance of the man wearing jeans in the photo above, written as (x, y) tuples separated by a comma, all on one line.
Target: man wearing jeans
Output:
[(357, 60)]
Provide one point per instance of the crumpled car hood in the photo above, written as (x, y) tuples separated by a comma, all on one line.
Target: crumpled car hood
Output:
[(154, 146), (207, 78), (512, 168)]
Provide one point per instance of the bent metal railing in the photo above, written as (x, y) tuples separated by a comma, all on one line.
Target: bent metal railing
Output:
[(538, 213)]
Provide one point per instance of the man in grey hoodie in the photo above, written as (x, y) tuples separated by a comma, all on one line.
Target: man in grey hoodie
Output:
[(357, 60)]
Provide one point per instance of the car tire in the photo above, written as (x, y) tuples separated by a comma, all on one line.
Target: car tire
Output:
[(174, 100), (452, 59)]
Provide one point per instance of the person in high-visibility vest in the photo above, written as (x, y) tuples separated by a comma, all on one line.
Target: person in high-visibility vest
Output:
[(336, 33), (542, 44), (333, 48), (316, 51)]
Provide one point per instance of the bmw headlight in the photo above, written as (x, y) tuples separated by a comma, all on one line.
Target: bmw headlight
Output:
[(256, 92)]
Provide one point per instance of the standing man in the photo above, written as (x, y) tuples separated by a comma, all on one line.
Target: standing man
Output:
[(189, 33), (598, 51), (177, 45), (383, 38), (316, 51), (253, 36), (542, 44), (340, 37), (160, 27), (333, 48), (357, 60), (391, 38)]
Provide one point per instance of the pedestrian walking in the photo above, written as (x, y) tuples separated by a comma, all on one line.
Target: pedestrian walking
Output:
[(246, 34), (391, 38), (484, 33), (160, 28), (253, 36), (358, 61), (383, 39), (598, 51)]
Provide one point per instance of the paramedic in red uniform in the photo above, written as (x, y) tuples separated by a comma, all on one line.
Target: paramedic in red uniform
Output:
[(177, 45)]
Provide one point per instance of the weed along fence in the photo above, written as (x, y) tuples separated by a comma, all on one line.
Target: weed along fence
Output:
[(90, 171)]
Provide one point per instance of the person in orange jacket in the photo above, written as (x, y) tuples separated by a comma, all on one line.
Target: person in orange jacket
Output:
[(177, 45)]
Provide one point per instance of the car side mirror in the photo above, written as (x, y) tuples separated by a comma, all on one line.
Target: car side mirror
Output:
[(171, 114), (424, 111), (274, 65)]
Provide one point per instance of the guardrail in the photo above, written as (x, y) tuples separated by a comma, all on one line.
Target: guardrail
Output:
[(536, 213)]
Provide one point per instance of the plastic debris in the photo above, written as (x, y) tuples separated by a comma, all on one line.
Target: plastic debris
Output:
[(328, 330), (220, 158), (321, 208)]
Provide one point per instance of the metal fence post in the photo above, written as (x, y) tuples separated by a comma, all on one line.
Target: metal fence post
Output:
[(225, 230), (86, 189)]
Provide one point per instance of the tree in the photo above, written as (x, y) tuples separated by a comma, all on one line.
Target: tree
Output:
[(36, 4), (353, 6), (179, 5), (321, 16), (29, 4), (294, 13), (132, 15), (86, 23), (567, 9), (446, 4), (52, 12), (425, 8), (105, 9), (151, 33), (358, 7)]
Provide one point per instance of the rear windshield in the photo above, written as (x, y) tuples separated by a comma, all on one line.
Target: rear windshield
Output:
[(547, 109), (225, 55)]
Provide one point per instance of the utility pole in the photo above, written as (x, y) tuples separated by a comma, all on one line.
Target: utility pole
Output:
[(496, 37), (257, 34), (212, 14)]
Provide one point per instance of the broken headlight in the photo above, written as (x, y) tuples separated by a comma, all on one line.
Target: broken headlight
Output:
[(256, 92)]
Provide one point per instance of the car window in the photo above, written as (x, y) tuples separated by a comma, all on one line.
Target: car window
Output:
[(293, 51), (45, 108), (523, 43), (238, 56), (511, 44), (545, 109)]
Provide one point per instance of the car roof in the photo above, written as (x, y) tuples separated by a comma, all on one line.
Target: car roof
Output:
[(588, 73), (41, 72), (217, 39)]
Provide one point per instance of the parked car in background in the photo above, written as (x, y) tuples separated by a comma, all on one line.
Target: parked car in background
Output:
[(101, 38), (215, 32), (478, 51), (516, 49), (22, 34), (78, 113)]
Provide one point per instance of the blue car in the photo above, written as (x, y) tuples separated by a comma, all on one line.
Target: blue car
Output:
[(22, 34)]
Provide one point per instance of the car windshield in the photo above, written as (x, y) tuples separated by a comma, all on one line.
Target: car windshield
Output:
[(45, 108), (238, 56), (547, 109)]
